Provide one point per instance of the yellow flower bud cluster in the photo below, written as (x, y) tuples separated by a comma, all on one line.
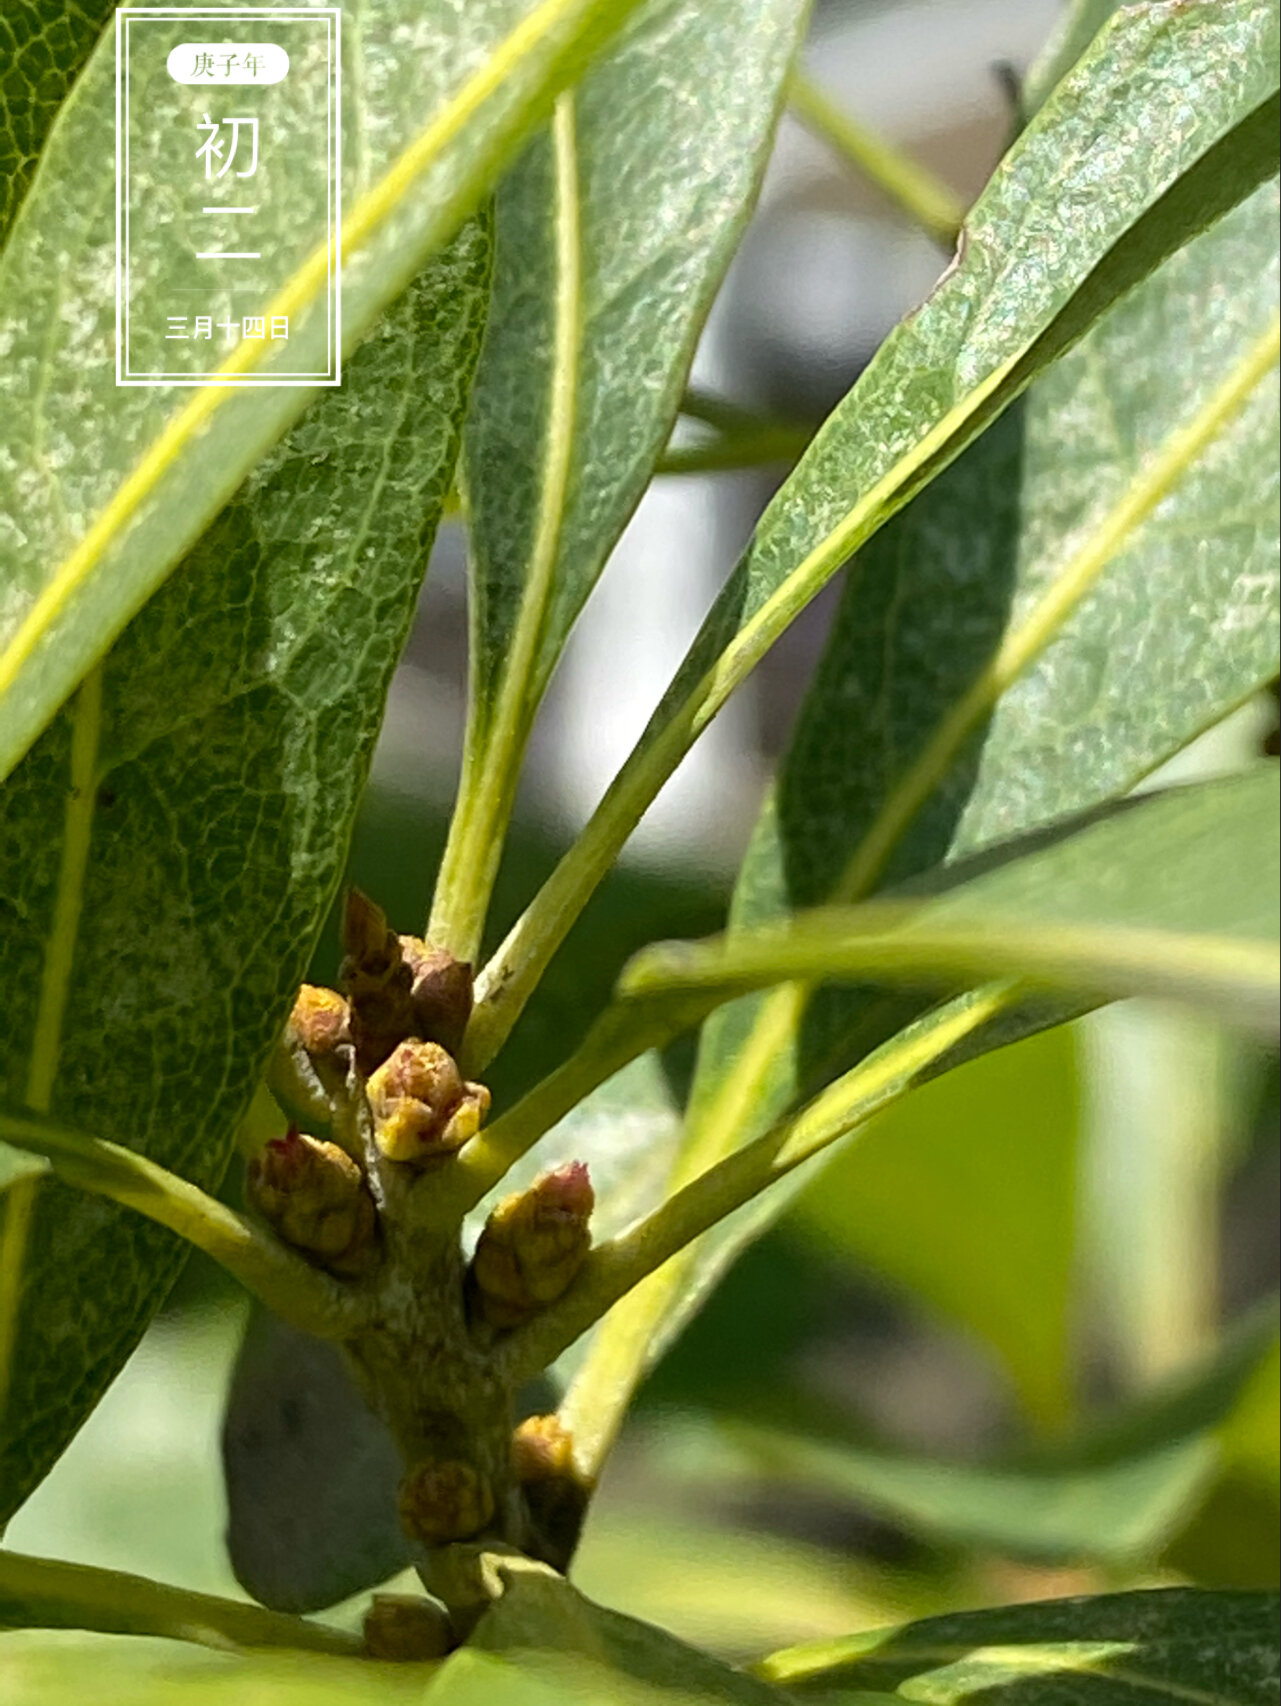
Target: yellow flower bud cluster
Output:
[(533, 1244), (422, 1107), (315, 1197)]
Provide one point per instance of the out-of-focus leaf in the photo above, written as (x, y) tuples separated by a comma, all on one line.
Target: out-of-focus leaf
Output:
[(42, 48), (1117, 1650), (103, 488), (1233, 1540), (1117, 1492), (987, 1237), (1132, 902), (722, 1584), (171, 844), (46, 1668), (613, 233), (17, 1164), (1034, 273), (311, 1474), (544, 1636), (1117, 1512)]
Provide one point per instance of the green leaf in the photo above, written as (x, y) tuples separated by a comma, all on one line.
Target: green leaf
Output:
[(613, 233), (986, 1238), (1080, 23), (1159, 859), (171, 844), (1116, 1492), (46, 1668), (1232, 1540), (311, 1474), (103, 488), (1033, 275), (1132, 902), (544, 1641), (1090, 719), (42, 48), (1123, 1649)]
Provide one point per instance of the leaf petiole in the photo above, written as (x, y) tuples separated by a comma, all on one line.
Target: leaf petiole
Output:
[(297, 1292), (910, 186), (598, 1397), (45, 1593)]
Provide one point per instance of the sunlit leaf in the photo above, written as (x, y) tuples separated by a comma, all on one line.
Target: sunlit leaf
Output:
[(1120, 1649), (1129, 903), (1031, 278), (103, 488), (43, 49), (613, 233), (171, 844)]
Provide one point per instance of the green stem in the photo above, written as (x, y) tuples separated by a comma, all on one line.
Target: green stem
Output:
[(763, 444), (497, 734), (617, 1359), (923, 197), (617, 1267), (624, 1031), (514, 971), (45, 1594), (893, 943), (297, 1292)]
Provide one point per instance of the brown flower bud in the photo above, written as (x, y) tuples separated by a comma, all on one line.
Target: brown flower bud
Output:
[(422, 1108), (533, 1244), (444, 1501), (542, 1449), (441, 994), (314, 1195), (407, 1626), (377, 981), (556, 1495), (319, 1021)]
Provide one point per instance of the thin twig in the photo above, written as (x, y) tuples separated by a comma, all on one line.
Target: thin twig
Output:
[(922, 196), (765, 444)]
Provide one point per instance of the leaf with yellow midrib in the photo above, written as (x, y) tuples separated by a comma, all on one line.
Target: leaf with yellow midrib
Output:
[(201, 790)]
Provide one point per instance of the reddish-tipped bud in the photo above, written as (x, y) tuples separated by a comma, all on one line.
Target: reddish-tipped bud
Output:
[(441, 1502), (377, 981), (532, 1246), (320, 1021), (407, 1626), (441, 993), (314, 1195), (368, 943), (556, 1494), (421, 1106)]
